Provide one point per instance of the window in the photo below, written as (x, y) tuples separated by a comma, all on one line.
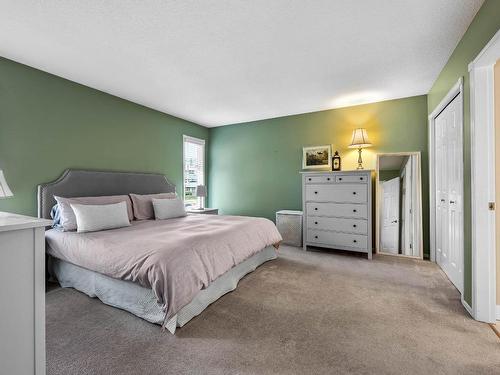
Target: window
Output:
[(194, 168)]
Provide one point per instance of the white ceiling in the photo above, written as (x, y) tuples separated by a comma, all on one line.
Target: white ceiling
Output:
[(229, 61)]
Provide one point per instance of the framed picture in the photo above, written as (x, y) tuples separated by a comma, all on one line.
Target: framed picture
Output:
[(317, 157)]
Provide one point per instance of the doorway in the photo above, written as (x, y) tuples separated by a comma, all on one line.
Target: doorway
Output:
[(482, 99), (399, 205)]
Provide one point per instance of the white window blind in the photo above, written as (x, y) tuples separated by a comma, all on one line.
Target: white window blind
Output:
[(194, 168)]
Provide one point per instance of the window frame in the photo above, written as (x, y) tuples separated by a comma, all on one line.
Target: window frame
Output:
[(198, 141)]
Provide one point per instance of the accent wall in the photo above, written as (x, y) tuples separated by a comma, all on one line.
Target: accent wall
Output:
[(48, 124), (254, 167)]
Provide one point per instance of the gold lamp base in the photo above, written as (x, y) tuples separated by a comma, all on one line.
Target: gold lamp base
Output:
[(360, 160)]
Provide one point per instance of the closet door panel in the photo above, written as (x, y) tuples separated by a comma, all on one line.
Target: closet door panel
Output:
[(449, 192), (441, 192), (455, 199)]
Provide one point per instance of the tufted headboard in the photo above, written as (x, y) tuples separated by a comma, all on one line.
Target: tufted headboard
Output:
[(87, 183)]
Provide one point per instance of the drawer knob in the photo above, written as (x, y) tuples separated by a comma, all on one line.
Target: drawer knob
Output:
[(361, 178), (315, 236), (315, 192), (354, 225), (316, 222), (340, 178), (354, 210), (309, 179), (353, 193), (315, 208), (354, 241), (328, 178)]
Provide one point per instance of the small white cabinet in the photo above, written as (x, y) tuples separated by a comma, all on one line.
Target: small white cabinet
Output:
[(22, 294), (338, 210)]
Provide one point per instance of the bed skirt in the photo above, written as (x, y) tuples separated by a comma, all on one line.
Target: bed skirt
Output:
[(141, 301)]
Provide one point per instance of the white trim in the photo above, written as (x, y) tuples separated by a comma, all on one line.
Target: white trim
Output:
[(467, 306), (498, 312), (457, 89), (488, 53), (483, 181), (200, 142), (454, 91)]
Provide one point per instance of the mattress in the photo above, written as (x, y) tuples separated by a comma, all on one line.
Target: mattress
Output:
[(141, 301)]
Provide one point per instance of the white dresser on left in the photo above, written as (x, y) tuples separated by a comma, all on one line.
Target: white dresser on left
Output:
[(22, 294)]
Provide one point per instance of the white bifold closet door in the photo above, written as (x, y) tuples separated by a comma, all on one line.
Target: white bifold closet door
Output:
[(449, 195)]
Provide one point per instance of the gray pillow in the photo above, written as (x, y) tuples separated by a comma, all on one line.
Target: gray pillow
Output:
[(92, 218), (67, 216), (168, 208), (143, 205)]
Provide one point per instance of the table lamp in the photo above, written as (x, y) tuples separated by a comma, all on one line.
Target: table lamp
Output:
[(360, 140), (201, 192)]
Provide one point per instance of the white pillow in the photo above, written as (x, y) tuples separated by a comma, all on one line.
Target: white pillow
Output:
[(168, 208), (91, 218)]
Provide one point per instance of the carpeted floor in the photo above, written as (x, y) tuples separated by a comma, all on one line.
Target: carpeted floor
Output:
[(304, 313)]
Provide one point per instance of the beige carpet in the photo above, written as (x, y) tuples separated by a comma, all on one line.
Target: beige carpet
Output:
[(304, 313)]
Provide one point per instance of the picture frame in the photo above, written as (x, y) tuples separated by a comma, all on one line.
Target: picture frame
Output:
[(317, 157)]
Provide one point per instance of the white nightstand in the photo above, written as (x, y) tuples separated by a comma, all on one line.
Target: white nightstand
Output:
[(204, 211), (22, 292)]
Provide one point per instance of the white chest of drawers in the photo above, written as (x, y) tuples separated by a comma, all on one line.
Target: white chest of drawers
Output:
[(338, 210)]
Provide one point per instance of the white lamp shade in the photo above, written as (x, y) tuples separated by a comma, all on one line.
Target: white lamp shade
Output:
[(360, 139), (4, 188), (201, 191)]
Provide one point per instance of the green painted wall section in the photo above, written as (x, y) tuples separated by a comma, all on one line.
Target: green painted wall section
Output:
[(254, 167), (481, 30), (48, 124)]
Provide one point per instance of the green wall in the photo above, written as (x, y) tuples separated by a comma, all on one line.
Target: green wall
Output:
[(254, 167), (481, 30), (48, 124)]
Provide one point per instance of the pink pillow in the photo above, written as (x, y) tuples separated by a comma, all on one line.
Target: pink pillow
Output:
[(68, 219), (143, 204)]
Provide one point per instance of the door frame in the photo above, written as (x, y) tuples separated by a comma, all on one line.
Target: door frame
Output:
[(483, 181), (456, 91), (418, 238)]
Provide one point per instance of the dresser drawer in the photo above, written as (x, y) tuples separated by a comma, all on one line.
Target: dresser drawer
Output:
[(337, 224), (337, 210), (345, 179), (348, 193), (319, 179), (334, 239)]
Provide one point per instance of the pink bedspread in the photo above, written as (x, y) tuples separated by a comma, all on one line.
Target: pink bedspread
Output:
[(176, 257)]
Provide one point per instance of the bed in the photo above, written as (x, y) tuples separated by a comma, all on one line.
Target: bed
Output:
[(164, 271)]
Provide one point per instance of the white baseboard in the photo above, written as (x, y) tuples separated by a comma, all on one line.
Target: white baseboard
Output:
[(468, 308), (498, 312)]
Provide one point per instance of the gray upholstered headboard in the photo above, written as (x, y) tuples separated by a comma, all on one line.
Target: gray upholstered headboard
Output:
[(86, 183)]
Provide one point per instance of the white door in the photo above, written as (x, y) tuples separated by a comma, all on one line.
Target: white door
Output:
[(389, 231), (449, 195)]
